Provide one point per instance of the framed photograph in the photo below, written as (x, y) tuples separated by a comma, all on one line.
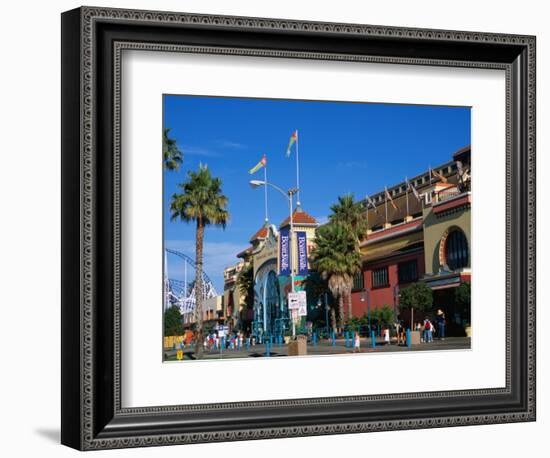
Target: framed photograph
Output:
[(275, 228)]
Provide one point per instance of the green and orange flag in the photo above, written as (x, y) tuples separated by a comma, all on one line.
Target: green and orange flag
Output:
[(259, 165), (293, 139), (388, 197)]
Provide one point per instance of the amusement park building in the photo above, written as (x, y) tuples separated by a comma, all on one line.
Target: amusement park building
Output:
[(270, 313), (421, 238), (430, 242)]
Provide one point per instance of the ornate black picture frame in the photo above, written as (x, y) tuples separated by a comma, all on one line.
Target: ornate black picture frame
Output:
[(92, 42)]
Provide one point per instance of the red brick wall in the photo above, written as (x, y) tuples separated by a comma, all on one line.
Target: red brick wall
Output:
[(384, 296)]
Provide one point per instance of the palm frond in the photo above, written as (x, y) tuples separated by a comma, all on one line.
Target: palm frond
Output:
[(171, 154)]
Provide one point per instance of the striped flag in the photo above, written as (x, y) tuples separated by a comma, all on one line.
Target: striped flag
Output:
[(459, 168), (259, 165), (414, 191), (388, 197), (440, 176), (371, 203), (293, 139)]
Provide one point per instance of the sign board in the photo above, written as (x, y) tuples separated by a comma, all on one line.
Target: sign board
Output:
[(301, 240), (297, 300), (222, 331), (284, 256)]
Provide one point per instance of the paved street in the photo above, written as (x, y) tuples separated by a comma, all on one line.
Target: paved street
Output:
[(324, 348)]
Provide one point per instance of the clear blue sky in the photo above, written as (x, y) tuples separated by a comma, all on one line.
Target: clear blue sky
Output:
[(344, 148)]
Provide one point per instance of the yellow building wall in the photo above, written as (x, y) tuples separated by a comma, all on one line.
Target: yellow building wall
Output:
[(434, 230)]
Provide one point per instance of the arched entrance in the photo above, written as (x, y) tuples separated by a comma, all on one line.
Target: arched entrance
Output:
[(267, 302)]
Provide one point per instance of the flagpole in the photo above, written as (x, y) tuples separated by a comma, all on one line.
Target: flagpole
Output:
[(386, 202), (297, 171), (367, 207), (407, 194), (265, 192)]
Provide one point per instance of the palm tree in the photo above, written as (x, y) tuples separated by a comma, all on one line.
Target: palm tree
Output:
[(336, 258), (245, 282), (203, 202), (171, 154), (351, 215)]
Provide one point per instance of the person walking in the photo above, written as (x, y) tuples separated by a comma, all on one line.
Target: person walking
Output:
[(356, 343), (431, 331), (387, 336), (440, 320), (427, 330), (398, 329)]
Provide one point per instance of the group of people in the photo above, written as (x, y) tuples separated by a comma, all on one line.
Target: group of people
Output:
[(428, 329), (214, 341)]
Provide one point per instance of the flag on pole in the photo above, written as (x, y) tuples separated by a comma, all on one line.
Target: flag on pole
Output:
[(371, 203), (414, 191), (388, 197), (259, 165), (459, 168), (462, 172), (440, 176), (293, 139)]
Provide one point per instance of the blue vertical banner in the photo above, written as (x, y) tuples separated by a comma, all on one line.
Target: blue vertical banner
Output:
[(301, 240), (284, 251)]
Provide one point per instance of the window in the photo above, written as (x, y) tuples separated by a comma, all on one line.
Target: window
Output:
[(456, 250), (380, 277), (407, 271), (428, 197), (358, 282)]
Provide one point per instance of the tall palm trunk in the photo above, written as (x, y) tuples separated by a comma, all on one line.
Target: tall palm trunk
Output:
[(341, 310), (199, 337), (349, 305), (333, 319)]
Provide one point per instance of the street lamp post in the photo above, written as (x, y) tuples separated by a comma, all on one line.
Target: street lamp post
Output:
[(395, 299), (319, 303), (367, 296), (289, 195)]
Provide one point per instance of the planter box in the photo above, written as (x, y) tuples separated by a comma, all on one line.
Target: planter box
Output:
[(415, 337), (298, 347)]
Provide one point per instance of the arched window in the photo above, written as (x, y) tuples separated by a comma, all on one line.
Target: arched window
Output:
[(456, 250)]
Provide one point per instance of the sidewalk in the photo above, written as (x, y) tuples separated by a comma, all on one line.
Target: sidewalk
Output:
[(325, 347)]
